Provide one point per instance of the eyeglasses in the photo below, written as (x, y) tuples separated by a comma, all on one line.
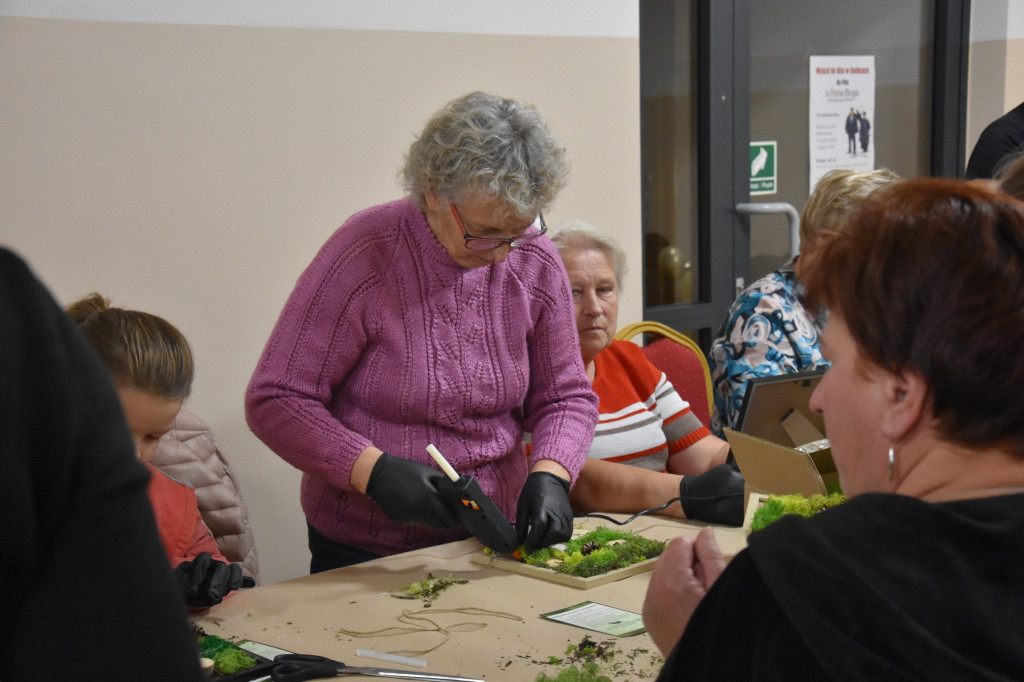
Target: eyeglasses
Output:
[(488, 243)]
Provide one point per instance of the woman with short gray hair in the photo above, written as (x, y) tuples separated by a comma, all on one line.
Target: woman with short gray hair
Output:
[(581, 236), (440, 318), (482, 145)]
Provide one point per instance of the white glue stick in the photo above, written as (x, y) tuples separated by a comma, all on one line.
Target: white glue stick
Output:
[(442, 462)]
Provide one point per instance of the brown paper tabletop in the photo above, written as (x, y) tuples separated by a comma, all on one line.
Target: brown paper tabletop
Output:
[(305, 615)]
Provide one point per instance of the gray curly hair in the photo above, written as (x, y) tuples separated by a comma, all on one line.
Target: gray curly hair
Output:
[(580, 236), (483, 145)]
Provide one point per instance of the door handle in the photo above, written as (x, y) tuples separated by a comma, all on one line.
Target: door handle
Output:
[(778, 207)]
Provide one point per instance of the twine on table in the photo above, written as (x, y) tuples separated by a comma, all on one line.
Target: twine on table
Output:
[(417, 621)]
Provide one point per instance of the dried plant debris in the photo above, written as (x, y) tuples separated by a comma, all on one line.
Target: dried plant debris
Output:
[(429, 588), (589, 672), (601, 661), (589, 651)]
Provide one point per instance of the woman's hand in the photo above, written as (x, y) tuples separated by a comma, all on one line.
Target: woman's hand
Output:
[(543, 513), (205, 581), (407, 492), (715, 496), (682, 576)]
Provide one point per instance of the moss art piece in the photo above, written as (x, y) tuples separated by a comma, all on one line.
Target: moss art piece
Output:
[(775, 507), (428, 589), (595, 553), (584, 562)]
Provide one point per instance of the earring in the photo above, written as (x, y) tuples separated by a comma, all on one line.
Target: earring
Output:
[(892, 459)]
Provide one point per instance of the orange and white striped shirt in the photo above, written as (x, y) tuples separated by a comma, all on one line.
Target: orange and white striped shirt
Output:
[(642, 420)]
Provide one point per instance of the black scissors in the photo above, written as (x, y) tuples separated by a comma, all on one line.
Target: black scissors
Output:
[(297, 667)]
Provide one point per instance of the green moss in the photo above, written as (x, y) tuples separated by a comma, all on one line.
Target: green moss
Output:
[(212, 644), (231, 661), (777, 506), (227, 658), (597, 552)]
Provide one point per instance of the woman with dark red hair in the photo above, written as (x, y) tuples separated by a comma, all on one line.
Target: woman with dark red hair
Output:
[(918, 575)]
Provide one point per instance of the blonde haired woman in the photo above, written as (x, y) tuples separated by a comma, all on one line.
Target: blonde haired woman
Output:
[(768, 330)]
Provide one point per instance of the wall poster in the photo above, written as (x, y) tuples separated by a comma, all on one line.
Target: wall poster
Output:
[(842, 114)]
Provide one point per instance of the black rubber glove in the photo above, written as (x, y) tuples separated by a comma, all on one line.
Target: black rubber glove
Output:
[(543, 514), (205, 581), (716, 496), (407, 493)]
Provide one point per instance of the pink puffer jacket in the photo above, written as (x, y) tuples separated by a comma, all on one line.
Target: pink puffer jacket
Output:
[(188, 453)]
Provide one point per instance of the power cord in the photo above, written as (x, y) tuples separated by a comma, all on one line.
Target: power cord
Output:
[(657, 509)]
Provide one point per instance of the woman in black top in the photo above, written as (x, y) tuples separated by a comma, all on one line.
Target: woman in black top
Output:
[(918, 575)]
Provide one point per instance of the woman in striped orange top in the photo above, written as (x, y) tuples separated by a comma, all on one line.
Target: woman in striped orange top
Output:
[(648, 446)]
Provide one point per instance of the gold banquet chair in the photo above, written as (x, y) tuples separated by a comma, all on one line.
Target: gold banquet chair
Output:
[(682, 361)]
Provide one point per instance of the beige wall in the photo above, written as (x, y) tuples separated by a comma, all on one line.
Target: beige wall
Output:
[(995, 79), (1015, 75), (995, 85), (194, 170)]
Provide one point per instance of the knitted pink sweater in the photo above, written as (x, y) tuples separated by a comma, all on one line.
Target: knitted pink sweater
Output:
[(387, 341)]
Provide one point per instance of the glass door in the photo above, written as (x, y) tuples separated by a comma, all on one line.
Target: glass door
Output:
[(717, 75), (694, 122), (896, 40)]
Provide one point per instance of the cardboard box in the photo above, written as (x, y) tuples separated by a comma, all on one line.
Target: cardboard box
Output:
[(802, 465)]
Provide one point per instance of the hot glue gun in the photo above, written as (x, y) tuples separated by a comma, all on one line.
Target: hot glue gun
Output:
[(476, 511)]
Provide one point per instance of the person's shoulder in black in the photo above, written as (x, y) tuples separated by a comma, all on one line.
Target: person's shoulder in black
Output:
[(87, 591), (1001, 138), (851, 594)]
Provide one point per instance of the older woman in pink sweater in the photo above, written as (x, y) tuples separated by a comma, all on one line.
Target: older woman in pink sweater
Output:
[(445, 318)]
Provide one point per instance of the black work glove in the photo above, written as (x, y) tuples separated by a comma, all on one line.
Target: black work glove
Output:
[(543, 514), (205, 581), (716, 496), (406, 492)]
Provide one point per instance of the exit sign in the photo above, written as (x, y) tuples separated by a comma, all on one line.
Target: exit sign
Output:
[(763, 168)]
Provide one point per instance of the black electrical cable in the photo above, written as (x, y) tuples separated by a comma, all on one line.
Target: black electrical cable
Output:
[(657, 509)]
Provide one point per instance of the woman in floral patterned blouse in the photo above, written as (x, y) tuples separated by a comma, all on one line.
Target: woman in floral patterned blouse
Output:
[(767, 330)]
